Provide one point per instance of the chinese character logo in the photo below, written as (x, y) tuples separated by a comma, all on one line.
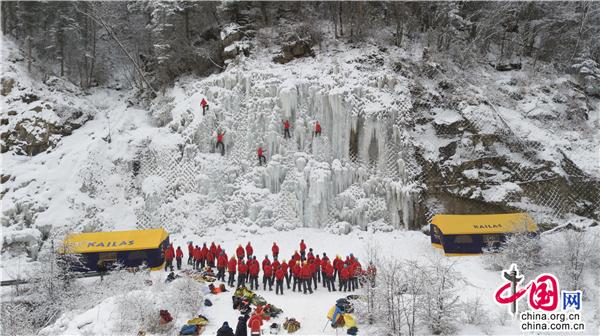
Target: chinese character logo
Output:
[(543, 291), (571, 300)]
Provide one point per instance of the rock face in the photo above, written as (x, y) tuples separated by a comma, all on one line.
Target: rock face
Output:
[(38, 114), (296, 48)]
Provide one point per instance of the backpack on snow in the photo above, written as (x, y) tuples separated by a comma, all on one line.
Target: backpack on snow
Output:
[(352, 331), (207, 303)]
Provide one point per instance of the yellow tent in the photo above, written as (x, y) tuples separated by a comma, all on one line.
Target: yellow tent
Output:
[(129, 248), (90, 242), (468, 234)]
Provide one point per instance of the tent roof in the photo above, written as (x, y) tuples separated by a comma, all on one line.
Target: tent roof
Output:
[(484, 224), (114, 241)]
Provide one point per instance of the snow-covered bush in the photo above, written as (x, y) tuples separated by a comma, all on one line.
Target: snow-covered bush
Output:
[(520, 249), (575, 253), (136, 312), (473, 312)]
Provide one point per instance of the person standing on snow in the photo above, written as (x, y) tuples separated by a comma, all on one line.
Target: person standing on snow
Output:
[(313, 272), (286, 129), (190, 254), (231, 266), (203, 255), (302, 250), (242, 272), (197, 252), (221, 265), (268, 277), (328, 278), (261, 156), (241, 329), (279, 276), (286, 274), (239, 252), (249, 250), (253, 270), (344, 274), (317, 129), (225, 330), (220, 142), (178, 256), (296, 272), (275, 250), (204, 105), (306, 278), (169, 255), (318, 264)]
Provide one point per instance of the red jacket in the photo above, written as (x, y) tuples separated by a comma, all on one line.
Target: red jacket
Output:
[(318, 127), (231, 265), (306, 274), (284, 267), (191, 249), (197, 253), (313, 268), (286, 124), (179, 252), (302, 246), (219, 250), (253, 269), (338, 264), (204, 252), (265, 262), (279, 274), (239, 252), (296, 256), (268, 271), (169, 253), (344, 274), (210, 256), (310, 257), (255, 323), (260, 151), (220, 137), (318, 262), (275, 249), (222, 261), (213, 249), (203, 102), (249, 249), (242, 268), (292, 263), (328, 269), (275, 264), (296, 270)]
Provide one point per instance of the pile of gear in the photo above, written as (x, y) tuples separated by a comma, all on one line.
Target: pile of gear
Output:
[(243, 297), (340, 316), (194, 326), (205, 275)]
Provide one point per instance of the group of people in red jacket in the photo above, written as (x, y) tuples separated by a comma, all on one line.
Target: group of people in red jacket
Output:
[(303, 272)]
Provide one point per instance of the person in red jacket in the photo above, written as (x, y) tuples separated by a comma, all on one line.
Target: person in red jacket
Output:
[(210, 259), (284, 268), (190, 253), (204, 105), (169, 255), (344, 274), (317, 129), (275, 264), (218, 250), (261, 156), (197, 253), (178, 257), (306, 278), (313, 272), (221, 265), (242, 273), (239, 252), (275, 250), (267, 277), (296, 272), (203, 255), (351, 277), (286, 129), (302, 250), (253, 270), (338, 264), (213, 249), (255, 323), (318, 264), (220, 142), (310, 256), (231, 266), (279, 276), (328, 278), (249, 250), (266, 261)]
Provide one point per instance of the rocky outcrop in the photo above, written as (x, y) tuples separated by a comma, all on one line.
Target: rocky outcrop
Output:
[(296, 48)]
